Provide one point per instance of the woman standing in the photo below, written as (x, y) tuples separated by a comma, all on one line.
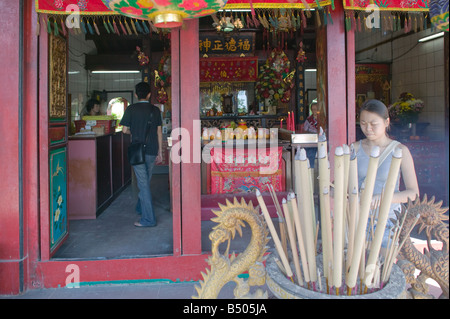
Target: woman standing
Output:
[(374, 121)]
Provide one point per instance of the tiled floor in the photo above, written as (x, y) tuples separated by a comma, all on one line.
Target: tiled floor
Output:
[(155, 290), (113, 234)]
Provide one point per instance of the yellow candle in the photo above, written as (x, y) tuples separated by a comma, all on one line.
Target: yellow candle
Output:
[(338, 216), (306, 194), (274, 234), (290, 230), (383, 215), (366, 199), (301, 244)]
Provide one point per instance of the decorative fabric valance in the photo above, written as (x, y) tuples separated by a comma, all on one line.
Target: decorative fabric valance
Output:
[(97, 7), (388, 5)]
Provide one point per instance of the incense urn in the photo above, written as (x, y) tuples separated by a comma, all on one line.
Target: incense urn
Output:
[(283, 288)]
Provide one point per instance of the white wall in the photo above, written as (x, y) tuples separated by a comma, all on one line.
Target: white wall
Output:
[(82, 84), (417, 68), (78, 76)]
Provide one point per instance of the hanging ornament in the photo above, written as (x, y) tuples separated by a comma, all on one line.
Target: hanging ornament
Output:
[(142, 58), (165, 13), (301, 56)]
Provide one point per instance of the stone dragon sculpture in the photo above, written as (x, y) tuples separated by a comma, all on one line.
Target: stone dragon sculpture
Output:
[(230, 219), (432, 263)]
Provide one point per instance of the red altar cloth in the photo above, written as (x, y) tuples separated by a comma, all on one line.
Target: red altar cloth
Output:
[(242, 170)]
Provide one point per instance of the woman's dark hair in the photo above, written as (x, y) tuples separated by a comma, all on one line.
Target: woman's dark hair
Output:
[(90, 105), (377, 107), (142, 90)]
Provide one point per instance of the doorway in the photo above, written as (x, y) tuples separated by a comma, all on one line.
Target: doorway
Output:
[(112, 234)]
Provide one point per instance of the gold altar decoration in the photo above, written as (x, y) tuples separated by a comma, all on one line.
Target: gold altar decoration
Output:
[(57, 71), (432, 263), (230, 219)]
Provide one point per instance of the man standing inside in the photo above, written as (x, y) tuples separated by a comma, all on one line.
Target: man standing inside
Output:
[(141, 118)]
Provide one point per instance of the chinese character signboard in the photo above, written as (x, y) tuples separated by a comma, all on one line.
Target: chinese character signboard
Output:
[(233, 69), (238, 43)]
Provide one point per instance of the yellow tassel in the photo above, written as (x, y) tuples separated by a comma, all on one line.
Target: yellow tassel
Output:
[(127, 26)]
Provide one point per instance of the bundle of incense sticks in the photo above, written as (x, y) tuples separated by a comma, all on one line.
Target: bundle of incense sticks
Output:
[(351, 232)]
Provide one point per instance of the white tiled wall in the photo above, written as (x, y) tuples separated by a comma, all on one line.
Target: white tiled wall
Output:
[(78, 76), (417, 68), (82, 84)]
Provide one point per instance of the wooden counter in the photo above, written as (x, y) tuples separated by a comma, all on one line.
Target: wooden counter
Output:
[(98, 170)]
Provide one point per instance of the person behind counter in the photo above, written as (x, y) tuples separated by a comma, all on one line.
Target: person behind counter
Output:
[(92, 107), (134, 122), (310, 126), (374, 121)]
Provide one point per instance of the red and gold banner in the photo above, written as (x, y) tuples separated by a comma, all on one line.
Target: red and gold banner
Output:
[(244, 171), (388, 5), (229, 69)]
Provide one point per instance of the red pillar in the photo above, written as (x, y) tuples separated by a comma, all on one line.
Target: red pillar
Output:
[(18, 126), (11, 241), (336, 80), (351, 87), (185, 106)]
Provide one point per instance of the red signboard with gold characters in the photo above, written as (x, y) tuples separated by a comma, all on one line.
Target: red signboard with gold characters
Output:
[(228, 69)]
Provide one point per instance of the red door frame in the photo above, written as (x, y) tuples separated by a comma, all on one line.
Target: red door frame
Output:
[(187, 260)]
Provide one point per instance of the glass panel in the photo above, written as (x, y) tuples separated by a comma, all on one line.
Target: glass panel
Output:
[(217, 99)]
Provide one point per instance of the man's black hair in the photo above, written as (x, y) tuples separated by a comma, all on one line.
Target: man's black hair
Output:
[(142, 90)]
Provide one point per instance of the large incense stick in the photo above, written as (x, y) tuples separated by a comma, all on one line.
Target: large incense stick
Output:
[(306, 194), (366, 199), (301, 244), (274, 234), (346, 177), (338, 217), (353, 204), (281, 220), (383, 216), (324, 201), (327, 240), (290, 230)]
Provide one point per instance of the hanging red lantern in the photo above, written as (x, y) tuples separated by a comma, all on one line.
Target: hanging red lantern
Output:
[(165, 13)]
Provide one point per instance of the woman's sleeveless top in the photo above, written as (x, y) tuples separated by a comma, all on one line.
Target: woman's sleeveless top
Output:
[(381, 177)]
